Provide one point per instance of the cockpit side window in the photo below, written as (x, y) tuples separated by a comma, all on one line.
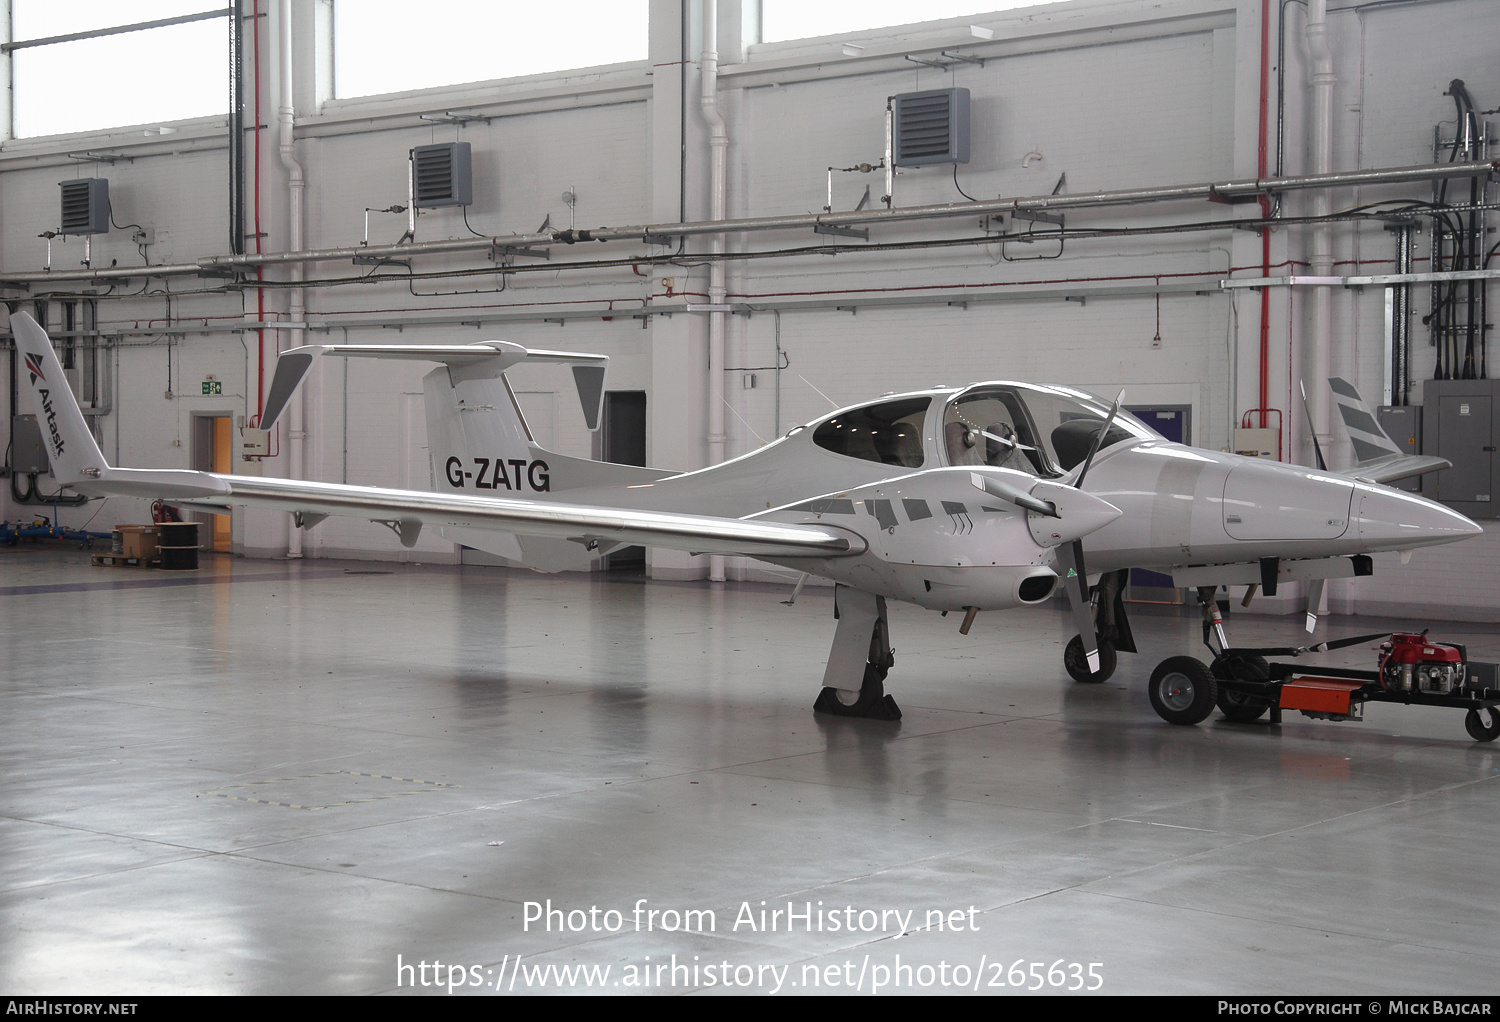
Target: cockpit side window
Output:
[(991, 427), (1073, 439), (1067, 422), (889, 433)]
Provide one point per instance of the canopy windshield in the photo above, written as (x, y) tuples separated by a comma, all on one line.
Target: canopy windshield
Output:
[(1044, 431)]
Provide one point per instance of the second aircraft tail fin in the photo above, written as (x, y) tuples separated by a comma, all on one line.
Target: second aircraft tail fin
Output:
[(1379, 459)]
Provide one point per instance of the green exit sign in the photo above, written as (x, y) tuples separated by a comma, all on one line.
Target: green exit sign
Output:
[(213, 387)]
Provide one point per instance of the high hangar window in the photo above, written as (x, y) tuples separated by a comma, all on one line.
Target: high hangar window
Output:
[(395, 45), (146, 74), (797, 19)]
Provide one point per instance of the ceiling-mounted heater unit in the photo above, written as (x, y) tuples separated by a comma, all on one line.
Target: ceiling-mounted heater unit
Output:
[(85, 206), (930, 127), (441, 176)]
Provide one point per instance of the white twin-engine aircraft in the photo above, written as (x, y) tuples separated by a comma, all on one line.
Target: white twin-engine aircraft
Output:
[(955, 499)]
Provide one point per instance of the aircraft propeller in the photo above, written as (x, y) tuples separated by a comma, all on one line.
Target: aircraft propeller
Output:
[(1014, 495), (1070, 557)]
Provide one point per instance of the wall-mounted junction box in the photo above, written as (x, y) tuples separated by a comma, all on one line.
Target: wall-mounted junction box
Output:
[(255, 442), (1258, 443)]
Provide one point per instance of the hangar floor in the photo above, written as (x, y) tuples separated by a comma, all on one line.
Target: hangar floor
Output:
[(273, 777)]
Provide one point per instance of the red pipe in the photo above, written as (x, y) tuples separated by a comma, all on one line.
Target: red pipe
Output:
[(1265, 212)]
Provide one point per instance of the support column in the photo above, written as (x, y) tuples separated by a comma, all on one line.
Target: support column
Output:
[(675, 409)]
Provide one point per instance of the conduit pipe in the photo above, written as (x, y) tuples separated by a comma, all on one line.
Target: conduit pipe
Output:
[(1225, 190), (297, 311), (1316, 355), (718, 291)]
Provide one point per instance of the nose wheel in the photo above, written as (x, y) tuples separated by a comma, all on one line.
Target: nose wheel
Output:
[(1111, 632), (1077, 664)]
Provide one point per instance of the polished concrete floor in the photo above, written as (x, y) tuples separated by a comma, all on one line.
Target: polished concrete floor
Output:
[(292, 778)]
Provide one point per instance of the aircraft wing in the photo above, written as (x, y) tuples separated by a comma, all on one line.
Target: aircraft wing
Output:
[(407, 511), (1399, 466)]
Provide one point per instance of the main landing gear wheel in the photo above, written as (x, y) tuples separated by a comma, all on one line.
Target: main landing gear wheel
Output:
[(1483, 725), (872, 704), (1240, 707), (861, 650), (1077, 664), (1182, 690)]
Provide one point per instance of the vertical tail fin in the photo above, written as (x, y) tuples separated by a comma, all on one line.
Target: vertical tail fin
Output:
[(76, 459), (71, 448)]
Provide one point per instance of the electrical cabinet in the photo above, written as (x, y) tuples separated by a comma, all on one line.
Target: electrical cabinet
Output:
[(27, 454), (1460, 420), (1403, 424)]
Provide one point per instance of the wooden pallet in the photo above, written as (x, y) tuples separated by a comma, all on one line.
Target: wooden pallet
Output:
[(120, 561)]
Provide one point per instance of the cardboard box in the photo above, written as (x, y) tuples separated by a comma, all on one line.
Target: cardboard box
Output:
[(138, 540)]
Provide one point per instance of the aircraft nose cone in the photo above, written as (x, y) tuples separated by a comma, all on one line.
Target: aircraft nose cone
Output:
[(1398, 519), (1079, 513)]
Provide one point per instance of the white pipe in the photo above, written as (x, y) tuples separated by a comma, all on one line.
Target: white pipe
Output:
[(297, 313), (718, 290), (1317, 358)]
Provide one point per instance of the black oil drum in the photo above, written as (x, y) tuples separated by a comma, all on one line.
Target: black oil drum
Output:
[(178, 548)]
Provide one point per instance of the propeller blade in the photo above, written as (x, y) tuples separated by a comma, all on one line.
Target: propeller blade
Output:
[(1312, 431), (1070, 558), (1099, 439), (1314, 603), (1013, 495)]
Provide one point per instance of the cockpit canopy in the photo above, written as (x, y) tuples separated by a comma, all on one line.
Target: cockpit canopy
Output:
[(1043, 431)]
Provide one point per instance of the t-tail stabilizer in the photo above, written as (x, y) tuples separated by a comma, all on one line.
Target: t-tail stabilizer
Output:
[(485, 360), (478, 441)]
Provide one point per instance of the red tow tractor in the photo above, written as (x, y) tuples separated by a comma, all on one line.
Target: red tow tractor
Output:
[(1410, 669)]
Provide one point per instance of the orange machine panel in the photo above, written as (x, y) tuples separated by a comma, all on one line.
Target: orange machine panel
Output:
[(1322, 695)]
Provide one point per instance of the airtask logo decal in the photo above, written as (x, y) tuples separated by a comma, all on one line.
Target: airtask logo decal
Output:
[(34, 366), (497, 474)]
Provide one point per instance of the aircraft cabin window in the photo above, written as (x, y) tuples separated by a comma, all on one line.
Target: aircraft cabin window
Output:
[(889, 433)]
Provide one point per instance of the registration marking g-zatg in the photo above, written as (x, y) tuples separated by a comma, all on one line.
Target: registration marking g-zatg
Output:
[(497, 473)]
